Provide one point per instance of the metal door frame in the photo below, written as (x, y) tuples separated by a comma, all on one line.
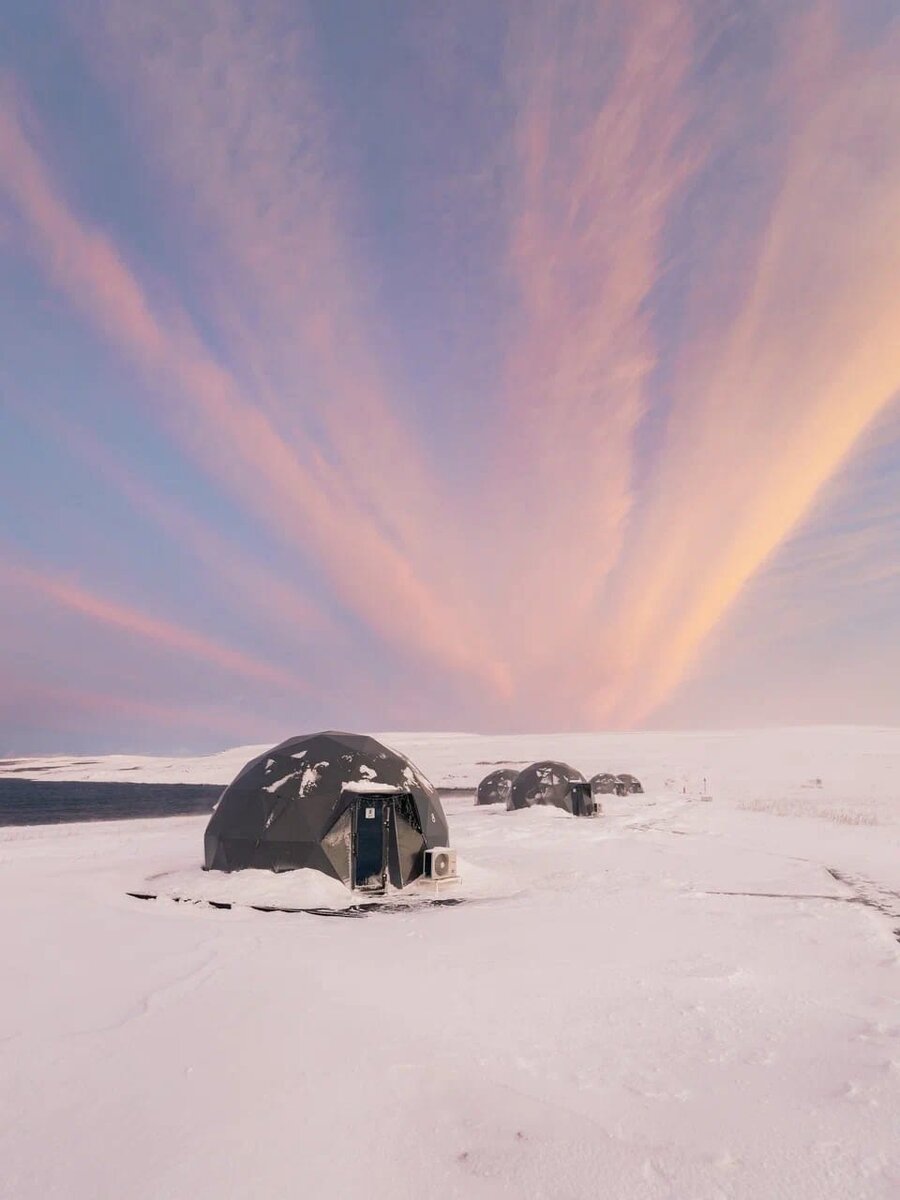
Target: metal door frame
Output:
[(386, 800)]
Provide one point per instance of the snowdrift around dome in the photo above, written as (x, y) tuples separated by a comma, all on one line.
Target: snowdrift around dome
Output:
[(553, 783), (340, 803), (496, 787)]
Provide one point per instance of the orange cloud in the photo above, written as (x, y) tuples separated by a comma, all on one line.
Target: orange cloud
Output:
[(290, 487), (767, 407), (599, 586), (227, 97), (138, 624), (599, 122), (250, 581), (75, 258)]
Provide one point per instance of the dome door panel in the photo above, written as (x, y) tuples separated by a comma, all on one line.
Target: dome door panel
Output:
[(370, 843)]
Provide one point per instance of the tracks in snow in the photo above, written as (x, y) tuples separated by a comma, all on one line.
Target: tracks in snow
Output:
[(870, 895)]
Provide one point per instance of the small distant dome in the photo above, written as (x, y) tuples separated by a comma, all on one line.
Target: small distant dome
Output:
[(339, 803), (629, 785), (496, 787), (553, 783), (604, 784)]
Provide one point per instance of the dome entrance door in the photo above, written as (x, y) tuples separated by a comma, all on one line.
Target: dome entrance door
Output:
[(371, 840), (370, 843), (583, 804)]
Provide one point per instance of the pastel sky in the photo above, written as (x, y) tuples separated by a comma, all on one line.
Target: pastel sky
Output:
[(413, 365)]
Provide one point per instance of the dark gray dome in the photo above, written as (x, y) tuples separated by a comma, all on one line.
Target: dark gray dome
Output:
[(604, 784), (495, 788), (553, 783), (630, 785), (298, 805)]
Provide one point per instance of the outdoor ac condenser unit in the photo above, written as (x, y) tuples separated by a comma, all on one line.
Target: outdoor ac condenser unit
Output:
[(440, 863)]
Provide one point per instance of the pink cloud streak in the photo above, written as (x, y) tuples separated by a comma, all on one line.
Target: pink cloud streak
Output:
[(236, 442), (138, 624), (599, 170), (602, 591), (63, 707), (768, 406), (227, 97), (251, 581)]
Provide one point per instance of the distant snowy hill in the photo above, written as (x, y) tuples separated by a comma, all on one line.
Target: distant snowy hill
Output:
[(814, 768)]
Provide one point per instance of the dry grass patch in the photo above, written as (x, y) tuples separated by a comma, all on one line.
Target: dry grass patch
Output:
[(784, 806)]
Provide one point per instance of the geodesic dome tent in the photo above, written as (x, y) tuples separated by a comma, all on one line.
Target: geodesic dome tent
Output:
[(553, 783), (630, 785), (340, 803), (495, 788), (604, 784)]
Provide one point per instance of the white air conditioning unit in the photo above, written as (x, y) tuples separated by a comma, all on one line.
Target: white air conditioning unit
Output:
[(440, 863)]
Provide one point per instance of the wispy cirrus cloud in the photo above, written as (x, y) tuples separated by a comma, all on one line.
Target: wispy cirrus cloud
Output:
[(256, 587), (60, 707), (582, 581), (299, 496), (601, 111), (227, 98), (767, 405), (143, 626)]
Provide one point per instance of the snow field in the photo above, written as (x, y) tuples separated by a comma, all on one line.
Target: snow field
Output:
[(677, 1000)]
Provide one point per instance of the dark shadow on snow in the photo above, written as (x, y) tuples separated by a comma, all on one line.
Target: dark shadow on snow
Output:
[(363, 909)]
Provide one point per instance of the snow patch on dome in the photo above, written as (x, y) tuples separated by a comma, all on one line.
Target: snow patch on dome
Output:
[(369, 787), (412, 777), (311, 776), (274, 788)]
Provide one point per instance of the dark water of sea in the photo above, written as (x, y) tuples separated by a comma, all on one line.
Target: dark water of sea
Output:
[(49, 802), (53, 801)]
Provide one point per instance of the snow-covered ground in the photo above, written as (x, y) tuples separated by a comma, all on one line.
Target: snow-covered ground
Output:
[(682, 999)]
